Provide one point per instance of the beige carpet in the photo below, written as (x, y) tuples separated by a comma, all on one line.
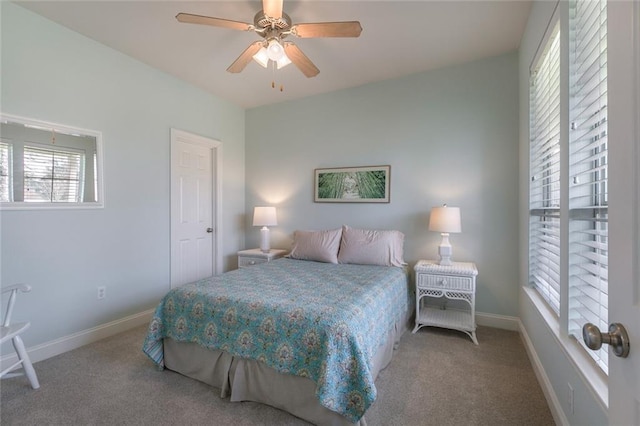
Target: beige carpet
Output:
[(437, 377)]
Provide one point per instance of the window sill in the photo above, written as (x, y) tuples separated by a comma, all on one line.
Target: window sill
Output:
[(50, 206), (596, 380)]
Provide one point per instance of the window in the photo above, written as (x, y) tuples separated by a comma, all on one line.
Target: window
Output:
[(588, 218), (48, 166), (52, 175), (544, 185), (570, 194), (6, 186)]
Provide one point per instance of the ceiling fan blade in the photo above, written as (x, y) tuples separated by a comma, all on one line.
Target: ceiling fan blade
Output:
[(303, 63), (328, 29), (216, 22), (272, 8), (246, 56)]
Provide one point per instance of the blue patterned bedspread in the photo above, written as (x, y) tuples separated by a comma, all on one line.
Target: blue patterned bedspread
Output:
[(317, 320)]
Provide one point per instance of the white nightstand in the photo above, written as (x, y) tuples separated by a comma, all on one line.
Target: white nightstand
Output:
[(255, 256), (455, 282)]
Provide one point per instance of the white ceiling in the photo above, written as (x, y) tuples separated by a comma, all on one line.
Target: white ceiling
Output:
[(398, 38)]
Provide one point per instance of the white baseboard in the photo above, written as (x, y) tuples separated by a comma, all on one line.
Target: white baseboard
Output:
[(73, 341), (498, 321), (543, 379)]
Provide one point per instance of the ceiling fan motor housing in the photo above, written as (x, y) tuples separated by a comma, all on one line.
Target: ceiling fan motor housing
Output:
[(266, 23)]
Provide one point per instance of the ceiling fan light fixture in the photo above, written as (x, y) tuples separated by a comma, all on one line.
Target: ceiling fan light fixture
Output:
[(262, 57), (275, 50)]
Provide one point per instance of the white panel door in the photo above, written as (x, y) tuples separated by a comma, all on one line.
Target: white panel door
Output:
[(624, 205), (192, 208)]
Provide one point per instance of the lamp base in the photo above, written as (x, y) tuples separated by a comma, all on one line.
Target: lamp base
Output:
[(445, 250), (445, 261), (265, 247)]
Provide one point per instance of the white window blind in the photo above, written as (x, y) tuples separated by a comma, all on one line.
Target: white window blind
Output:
[(6, 187), (52, 175), (588, 218), (544, 185)]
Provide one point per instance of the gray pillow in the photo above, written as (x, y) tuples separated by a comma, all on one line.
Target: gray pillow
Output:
[(320, 246), (371, 247)]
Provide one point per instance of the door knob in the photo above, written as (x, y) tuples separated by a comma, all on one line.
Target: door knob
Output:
[(209, 230), (617, 337)]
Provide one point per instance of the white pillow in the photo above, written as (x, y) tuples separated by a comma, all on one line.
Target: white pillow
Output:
[(371, 247), (320, 246)]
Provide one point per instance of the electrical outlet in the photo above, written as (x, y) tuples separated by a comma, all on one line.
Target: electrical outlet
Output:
[(570, 398), (102, 292)]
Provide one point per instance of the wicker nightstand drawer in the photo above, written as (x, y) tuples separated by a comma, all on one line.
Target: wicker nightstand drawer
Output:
[(444, 282), (249, 261)]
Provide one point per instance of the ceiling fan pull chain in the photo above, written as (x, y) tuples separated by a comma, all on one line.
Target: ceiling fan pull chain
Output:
[(273, 74)]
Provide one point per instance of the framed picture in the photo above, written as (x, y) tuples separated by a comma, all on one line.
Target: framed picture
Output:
[(368, 184)]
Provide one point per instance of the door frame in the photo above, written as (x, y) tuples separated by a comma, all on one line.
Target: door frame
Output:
[(181, 136)]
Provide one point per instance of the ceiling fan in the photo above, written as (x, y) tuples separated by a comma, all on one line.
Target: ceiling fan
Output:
[(273, 25)]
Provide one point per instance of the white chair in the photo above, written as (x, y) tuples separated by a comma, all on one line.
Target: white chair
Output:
[(13, 331)]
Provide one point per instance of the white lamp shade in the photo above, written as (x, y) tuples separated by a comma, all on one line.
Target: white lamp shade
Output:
[(262, 57), (445, 219), (283, 61), (264, 216)]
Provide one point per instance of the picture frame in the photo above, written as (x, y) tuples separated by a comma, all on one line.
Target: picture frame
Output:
[(363, 184)]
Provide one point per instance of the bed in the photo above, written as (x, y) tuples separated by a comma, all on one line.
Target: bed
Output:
[(299, 334)]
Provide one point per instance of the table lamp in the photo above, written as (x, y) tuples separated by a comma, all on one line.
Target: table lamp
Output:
[(445, 220), (264, 216)]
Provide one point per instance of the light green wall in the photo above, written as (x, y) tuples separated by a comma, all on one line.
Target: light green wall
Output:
[(450, 136), (53, 74)]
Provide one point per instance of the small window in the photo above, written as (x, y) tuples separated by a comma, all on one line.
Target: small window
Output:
[(49, 166)]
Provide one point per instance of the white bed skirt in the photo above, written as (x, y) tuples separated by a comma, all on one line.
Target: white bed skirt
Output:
[(249, 380)]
